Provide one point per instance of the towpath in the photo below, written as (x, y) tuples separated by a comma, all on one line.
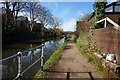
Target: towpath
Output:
[(73, 61)]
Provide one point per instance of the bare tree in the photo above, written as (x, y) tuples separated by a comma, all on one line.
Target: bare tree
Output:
[(56, 22), (11, 10), (31, 10), (6, 15), (44, 16)]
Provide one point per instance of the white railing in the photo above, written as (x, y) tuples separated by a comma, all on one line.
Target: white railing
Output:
[(19, 55), (116, 26)]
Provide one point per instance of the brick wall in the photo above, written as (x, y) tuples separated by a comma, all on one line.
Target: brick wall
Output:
[(108, 41), (112, 16)]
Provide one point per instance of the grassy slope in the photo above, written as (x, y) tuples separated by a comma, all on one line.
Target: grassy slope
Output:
[(81, 45)]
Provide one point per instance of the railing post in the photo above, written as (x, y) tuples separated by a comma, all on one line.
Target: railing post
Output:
[(105, 25), (19, 66), (42, 56)]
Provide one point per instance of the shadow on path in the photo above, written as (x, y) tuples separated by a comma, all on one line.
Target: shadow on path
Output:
[(73, 65)]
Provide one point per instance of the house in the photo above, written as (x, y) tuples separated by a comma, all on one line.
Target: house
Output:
[(113, 10), (38, 27), (106, 40), (22, 23), (22, 19)]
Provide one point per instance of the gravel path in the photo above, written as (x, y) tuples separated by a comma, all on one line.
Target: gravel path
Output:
[(73, 61)]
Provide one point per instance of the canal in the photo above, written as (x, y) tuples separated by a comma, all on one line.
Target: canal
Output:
[(9, 67)]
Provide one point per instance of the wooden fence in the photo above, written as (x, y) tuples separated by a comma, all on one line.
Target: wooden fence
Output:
[(107, 40)]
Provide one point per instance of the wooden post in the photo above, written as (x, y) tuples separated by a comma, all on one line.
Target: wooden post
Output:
[(105, 25)]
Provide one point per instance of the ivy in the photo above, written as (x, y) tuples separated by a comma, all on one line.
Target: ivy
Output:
[(99, 12), (118, 21)]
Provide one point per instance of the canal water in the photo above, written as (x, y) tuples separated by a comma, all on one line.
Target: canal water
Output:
[(9, 67)]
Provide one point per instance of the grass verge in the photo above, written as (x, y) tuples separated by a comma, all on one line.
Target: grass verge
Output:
[(81, 45), (53, 60)]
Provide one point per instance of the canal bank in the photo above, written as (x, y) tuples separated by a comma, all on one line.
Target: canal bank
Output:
[(50, 63), (10, 67)]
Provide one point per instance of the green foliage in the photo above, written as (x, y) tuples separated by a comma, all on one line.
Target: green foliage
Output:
[(99, 11), (53, 59), (100, 25), (40, 74), (80, 42), (99, 69), (90, 59), (118, 21)]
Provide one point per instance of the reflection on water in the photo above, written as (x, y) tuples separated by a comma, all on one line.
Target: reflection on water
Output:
[(9, 68)]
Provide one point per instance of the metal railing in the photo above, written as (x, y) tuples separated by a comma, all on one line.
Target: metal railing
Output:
[(19, 60), (116, 26), (19, 56)]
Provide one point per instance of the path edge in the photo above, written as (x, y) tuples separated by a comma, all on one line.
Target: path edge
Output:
[(55, 57)]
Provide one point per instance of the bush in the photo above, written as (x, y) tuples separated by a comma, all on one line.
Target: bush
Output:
[(118, 21), (90, 59)]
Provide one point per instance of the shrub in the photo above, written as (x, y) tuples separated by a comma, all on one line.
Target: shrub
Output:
[(90, 59), (118, 21)]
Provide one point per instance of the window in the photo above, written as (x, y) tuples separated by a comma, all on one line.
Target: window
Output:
[(118, 2), (109, 9), (117, 8)]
